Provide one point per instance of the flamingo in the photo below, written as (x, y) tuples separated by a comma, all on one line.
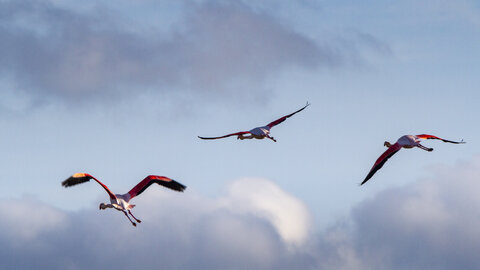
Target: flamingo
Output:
[(120, 201), (407, 141), (258, 132)]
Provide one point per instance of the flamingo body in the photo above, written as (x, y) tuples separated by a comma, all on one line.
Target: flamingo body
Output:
[(258, 132), (120, 202), (406, 141)]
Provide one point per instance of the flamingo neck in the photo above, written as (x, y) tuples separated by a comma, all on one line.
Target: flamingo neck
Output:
[(109, 205), (105, 206)]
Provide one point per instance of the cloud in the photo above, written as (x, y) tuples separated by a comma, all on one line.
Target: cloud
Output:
[(429, 224), (287, 214), (179, 231), (220, 48), (41, 219), (432, 224)]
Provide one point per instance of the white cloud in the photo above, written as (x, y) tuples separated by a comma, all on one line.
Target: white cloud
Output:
[(429, 224), (265, 199), (27, 219), (178, 231)]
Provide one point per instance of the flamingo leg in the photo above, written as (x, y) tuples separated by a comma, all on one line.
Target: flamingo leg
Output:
[(271, 138), (138, 220), (425, 148), (133, 223)]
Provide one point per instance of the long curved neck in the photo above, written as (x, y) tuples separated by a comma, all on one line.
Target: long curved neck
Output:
[(106, 205)]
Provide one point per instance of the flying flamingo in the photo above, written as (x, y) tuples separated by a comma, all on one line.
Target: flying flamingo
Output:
[(258, 132), (120, 201), (407, 141)]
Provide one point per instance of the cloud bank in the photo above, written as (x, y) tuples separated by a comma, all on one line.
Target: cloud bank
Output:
[(430, 224), (179, 231)]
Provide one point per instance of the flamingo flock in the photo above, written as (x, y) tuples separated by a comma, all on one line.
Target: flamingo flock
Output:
[(121, 202)]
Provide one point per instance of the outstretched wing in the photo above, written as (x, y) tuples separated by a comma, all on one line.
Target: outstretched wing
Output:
[(161, 180), (281, 119), (381, 160), (79, 178), (429, 137), (221, 137)]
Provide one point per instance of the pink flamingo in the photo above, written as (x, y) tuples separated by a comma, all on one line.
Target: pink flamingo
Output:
[(407, 141), (258, 132), (120, 201)]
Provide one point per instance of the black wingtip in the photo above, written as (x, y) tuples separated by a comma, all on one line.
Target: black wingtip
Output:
[(205, 138), (73, 180), (174, 185)]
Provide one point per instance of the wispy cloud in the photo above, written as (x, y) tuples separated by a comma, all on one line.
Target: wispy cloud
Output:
[(219, 47)]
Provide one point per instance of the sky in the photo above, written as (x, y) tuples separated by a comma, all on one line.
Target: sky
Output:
[(122, 89)]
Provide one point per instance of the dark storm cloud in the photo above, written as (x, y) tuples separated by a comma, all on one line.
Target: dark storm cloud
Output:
[(219, 47)]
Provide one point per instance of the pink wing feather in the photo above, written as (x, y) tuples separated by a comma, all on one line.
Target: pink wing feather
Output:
[(233, 134), (428, 137), (381, 160), (151, 179), (281, 119), (79, 178)]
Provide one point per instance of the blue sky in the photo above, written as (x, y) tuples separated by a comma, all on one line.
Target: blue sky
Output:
[(121, 90)]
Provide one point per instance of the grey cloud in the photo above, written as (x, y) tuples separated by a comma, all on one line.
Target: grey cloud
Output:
[(220, 47), (431, 224)]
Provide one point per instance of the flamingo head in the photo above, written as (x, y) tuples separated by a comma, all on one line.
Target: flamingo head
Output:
[(387, 144), (102, 206)]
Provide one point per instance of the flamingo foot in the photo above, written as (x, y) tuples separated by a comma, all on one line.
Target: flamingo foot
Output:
[(136, 219), (134, 224), (430, 149)]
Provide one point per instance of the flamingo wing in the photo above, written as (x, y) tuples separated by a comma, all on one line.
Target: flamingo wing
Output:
[(79, 178), (381, 160), (228, 135), (429, 137), (281, 119), (161, 180)]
